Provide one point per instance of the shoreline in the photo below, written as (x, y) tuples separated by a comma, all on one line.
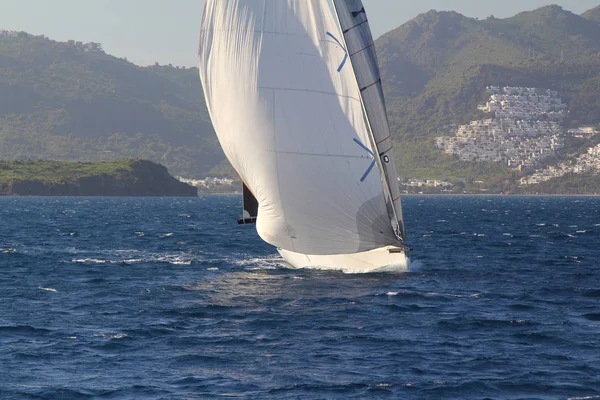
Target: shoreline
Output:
[(455, 195)]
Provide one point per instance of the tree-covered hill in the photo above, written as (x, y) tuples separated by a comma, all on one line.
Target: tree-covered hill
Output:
[(437, 66), (59, 101), (104, 178), (593, 14)]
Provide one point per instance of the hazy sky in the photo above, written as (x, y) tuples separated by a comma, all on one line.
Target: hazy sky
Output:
[(146, 31)]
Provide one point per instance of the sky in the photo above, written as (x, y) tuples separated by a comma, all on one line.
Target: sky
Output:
[(166, 31)]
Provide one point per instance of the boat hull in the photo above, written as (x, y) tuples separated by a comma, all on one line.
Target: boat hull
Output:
[(385, 259)]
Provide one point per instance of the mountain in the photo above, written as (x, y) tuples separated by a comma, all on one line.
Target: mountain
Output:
[(436, 68), (71, 101), (593, 14), (436, 65)]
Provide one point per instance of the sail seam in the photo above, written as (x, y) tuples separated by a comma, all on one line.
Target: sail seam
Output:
[(320, 154), (372, 84), (356, 26), (383, 140), (363, 49), (310, 91)]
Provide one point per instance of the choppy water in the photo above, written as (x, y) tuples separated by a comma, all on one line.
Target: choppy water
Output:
[(169, 299)]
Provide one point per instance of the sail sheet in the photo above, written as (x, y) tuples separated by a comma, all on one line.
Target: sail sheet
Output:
[(363, 57), (288, 113)]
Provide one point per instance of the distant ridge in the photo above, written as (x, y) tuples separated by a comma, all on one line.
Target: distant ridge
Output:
[(593, 14), (72, 101), (59, 102), (437, 66)]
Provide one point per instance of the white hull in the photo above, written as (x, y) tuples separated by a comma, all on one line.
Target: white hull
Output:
[(378, 260)]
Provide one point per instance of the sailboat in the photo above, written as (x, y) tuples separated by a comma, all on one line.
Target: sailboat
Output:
[(294, 92)]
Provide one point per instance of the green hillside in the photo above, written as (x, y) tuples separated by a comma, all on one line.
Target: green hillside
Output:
[(437, 66), (593, 14), (58, 101), (61, 102), (104, 178)]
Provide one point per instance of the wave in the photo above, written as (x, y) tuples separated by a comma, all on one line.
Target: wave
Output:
[(175, 259)]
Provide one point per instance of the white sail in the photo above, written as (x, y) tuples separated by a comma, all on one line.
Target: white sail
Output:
[(289, 114)]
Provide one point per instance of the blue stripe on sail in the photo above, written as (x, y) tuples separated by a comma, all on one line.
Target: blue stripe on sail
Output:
[(343, 48), (336, 40), (368, 171), (343, 63), (358, 142), (365, 148)]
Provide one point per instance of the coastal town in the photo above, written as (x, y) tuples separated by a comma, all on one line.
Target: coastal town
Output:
[(588, 162), (523, 131)]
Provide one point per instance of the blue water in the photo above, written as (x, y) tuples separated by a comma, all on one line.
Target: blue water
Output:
[(128, 298)]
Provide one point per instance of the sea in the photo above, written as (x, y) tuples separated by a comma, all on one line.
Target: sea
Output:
[(168, 298)]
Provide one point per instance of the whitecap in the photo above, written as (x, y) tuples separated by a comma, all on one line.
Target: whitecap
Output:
[(584, 398), (49, 289), (89, 260), (414, 265), (111, 336), (167, 235), (261, 263)]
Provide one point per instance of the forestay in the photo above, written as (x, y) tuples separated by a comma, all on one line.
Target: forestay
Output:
[(288, 113)]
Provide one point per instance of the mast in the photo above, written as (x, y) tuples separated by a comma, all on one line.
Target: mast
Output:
[(358, 42)]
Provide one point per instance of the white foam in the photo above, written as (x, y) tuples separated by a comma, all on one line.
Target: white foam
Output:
[(261, 263), (49, 289), (89, 260), (414, 265)]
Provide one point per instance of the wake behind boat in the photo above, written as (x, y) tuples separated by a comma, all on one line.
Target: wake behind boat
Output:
[(294, 92)]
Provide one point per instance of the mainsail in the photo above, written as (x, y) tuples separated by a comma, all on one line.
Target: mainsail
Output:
[(363, 57), (283, 87)]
